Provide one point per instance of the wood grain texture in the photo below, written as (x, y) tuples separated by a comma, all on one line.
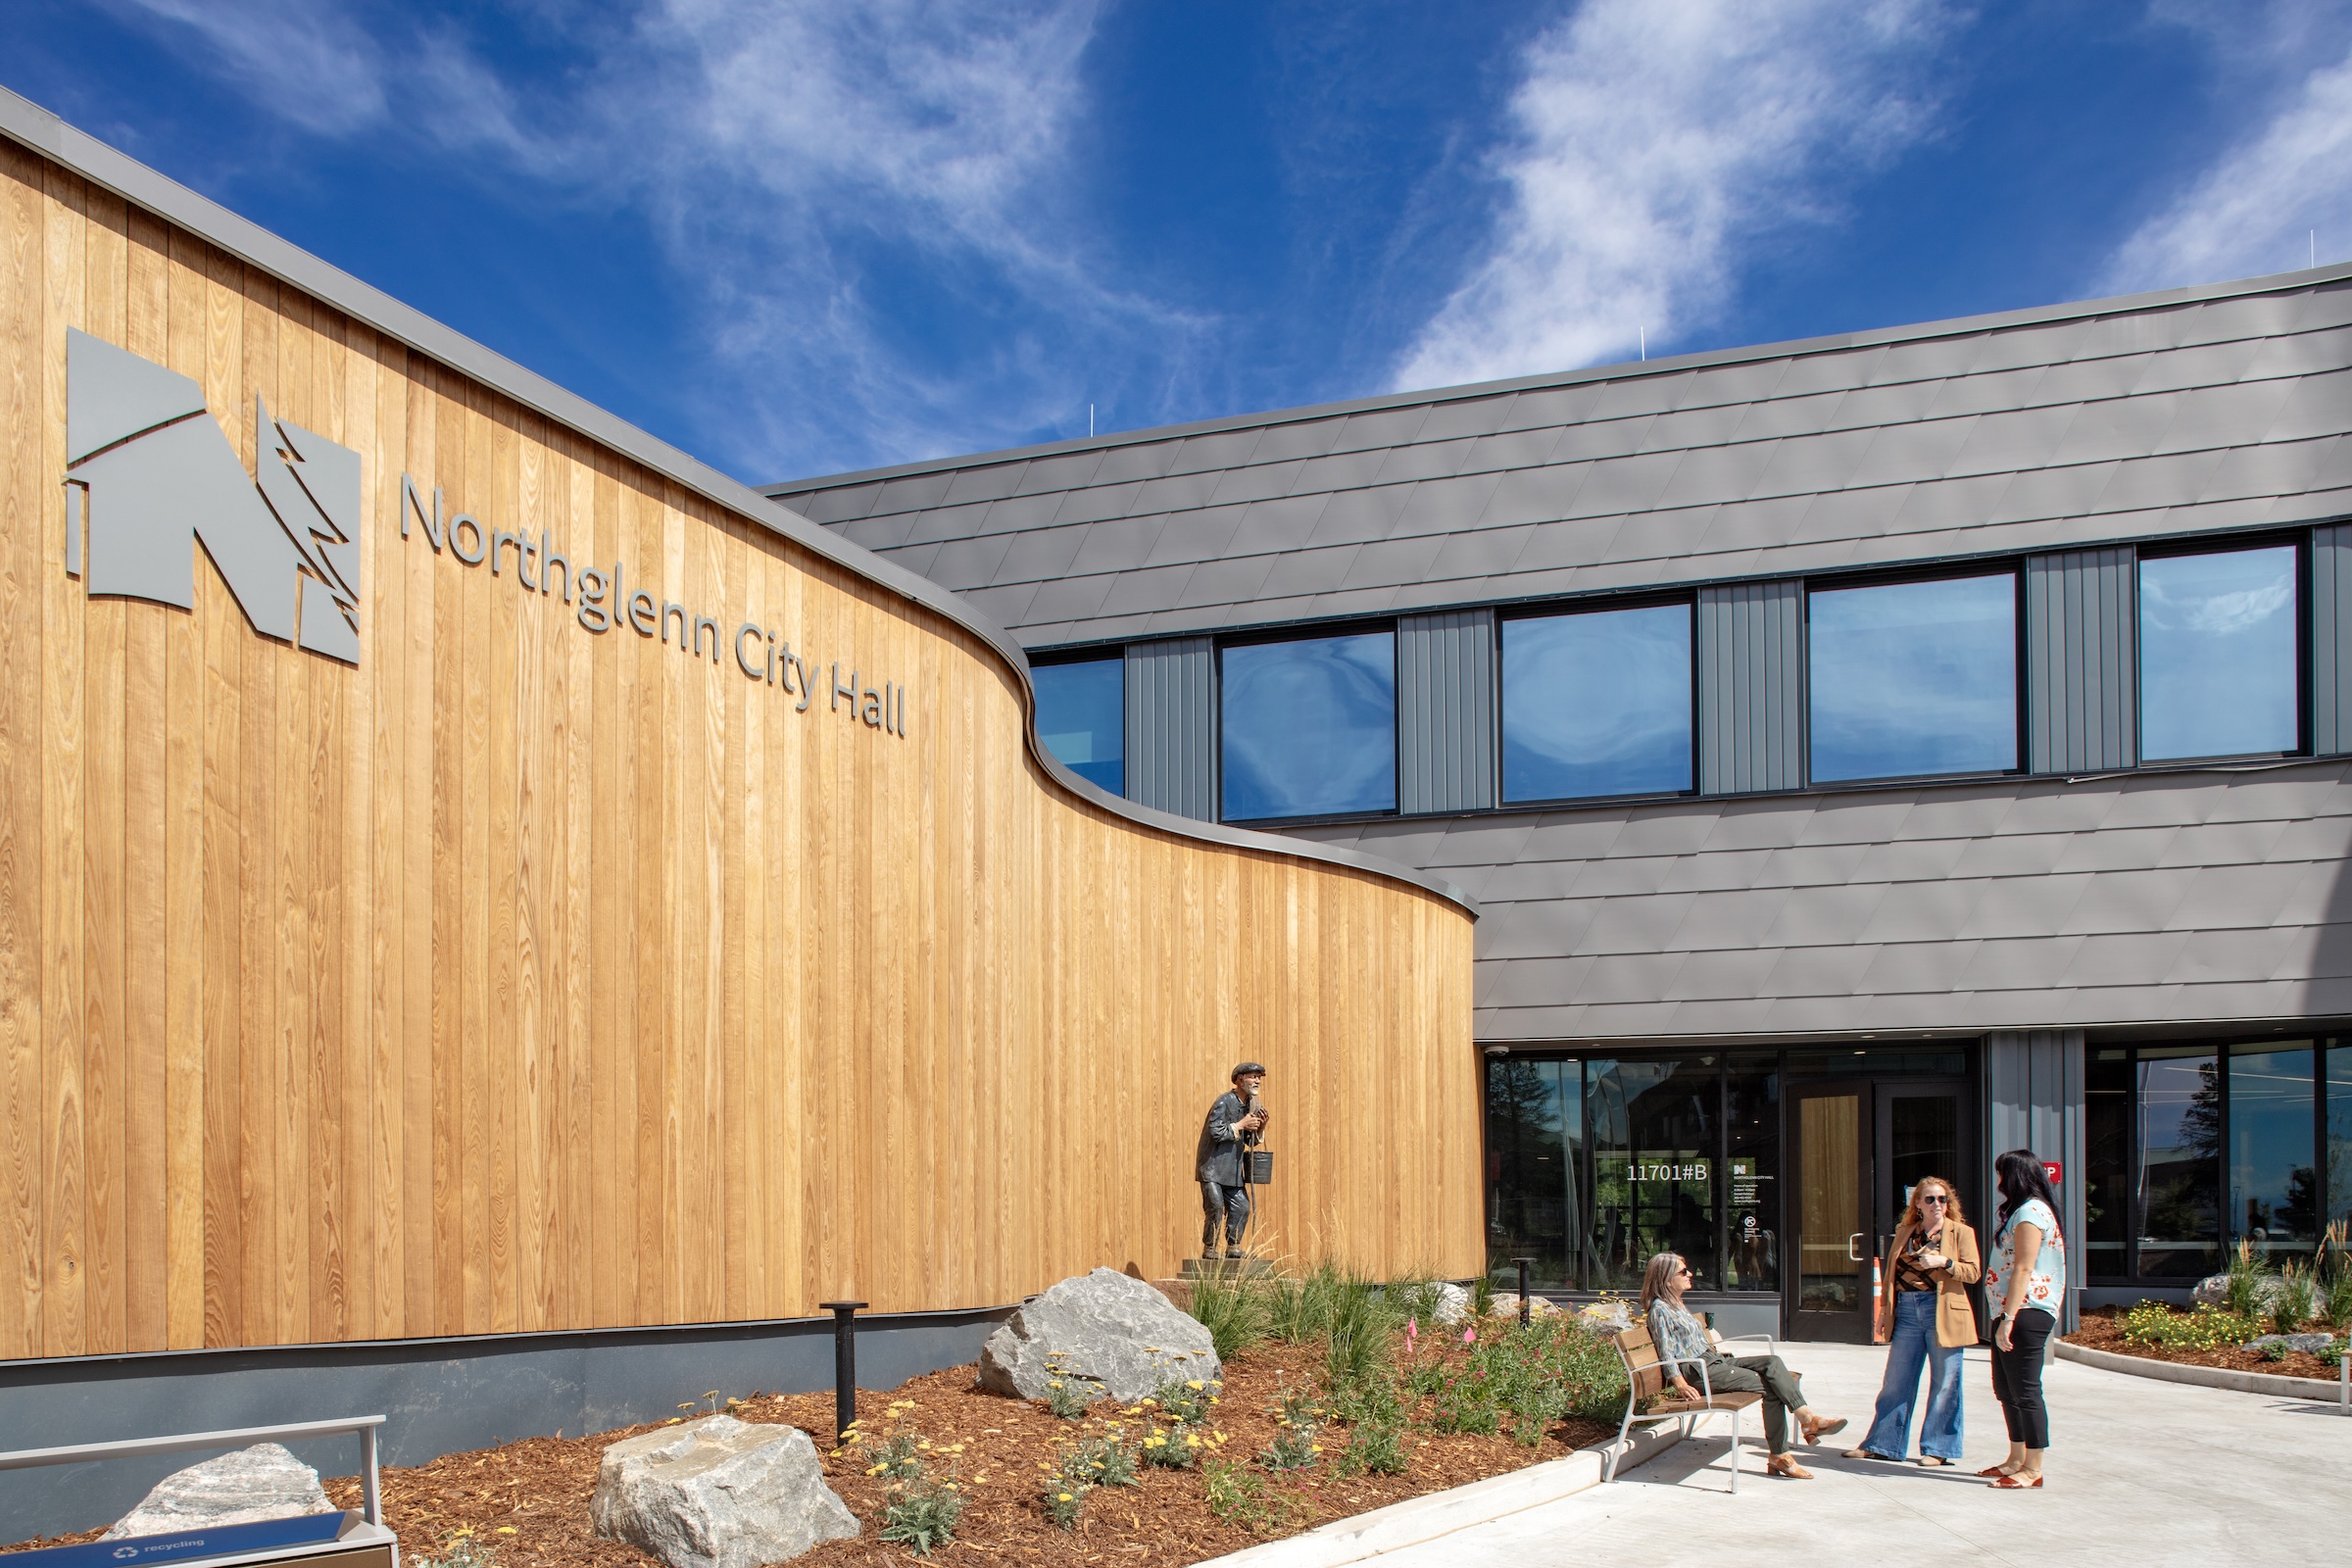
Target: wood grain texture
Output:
[(529, 976)]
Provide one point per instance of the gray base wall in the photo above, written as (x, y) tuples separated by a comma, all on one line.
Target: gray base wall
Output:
[(438, 1395)]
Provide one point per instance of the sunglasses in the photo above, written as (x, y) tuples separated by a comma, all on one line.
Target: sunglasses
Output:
[(1685, 1269), (1933, 1198)]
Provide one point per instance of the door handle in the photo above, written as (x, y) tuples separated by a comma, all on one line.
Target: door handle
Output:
[(1853, 1245)]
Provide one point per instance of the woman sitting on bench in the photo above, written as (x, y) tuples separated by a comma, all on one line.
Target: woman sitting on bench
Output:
[(1681, 1341)]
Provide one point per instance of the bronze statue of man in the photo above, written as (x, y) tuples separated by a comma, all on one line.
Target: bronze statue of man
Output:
[(1234, 1126)]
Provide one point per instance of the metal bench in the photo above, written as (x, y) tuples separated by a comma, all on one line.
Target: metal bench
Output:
[(1645, 1380)]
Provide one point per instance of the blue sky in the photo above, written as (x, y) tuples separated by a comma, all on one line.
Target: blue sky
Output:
[(798, 238)]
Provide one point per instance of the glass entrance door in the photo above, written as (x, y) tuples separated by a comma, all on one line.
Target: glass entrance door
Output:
[(1830, 1287), (1925, 1127)]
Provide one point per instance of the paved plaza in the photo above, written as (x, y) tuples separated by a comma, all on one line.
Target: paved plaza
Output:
[(2140, 1472)]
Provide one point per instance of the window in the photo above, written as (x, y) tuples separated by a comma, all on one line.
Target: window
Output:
[(1914, 677), (1751, 1132), (1081, 717), (2273, 1181), (2338, 1151), (2179, 1139), (2217, 654), (2107, 1148), (1655, 1140), (1596, 702), (1309, 727), (1535, 1150)]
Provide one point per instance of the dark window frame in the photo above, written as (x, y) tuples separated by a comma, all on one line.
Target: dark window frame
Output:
[(2012, 567), (2299, 541), (1304, 632), (1592, 605)]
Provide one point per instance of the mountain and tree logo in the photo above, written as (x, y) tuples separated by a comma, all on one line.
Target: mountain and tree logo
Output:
[(157, 475)]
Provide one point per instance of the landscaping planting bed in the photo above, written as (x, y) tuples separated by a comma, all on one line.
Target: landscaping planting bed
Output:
[(527, 1501), (2103, 1330)]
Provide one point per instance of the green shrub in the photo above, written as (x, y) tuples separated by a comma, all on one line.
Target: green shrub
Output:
[(922, 1515), (1234, 1312), (1068, 1394), (1174, 1447), (2336, 1306), (1187, 1400), (1297, 1420), (2242, 1288), (1107, 1460), (1241, 1496), (2296, 1302)]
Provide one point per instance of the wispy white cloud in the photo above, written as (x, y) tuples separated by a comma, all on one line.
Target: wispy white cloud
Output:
[(2281, 193), (1653, 139), (312, 64)]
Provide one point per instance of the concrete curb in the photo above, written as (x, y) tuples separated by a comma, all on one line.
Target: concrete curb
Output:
[(2210, 1377), (1418, 1519)]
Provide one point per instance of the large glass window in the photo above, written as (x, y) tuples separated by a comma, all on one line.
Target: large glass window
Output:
[(1535, 1141), (1751, 1130), (2179, 1138), (1914, 677), (2107, 1146), (1596, 702), (1309, 727), (1082, 717), (1655, 1140), (2273, 1179), (2217, 654), (2338, 1153)]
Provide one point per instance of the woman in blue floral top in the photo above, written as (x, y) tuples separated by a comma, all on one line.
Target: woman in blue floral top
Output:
[(1682, 1343), (2028, 1279)]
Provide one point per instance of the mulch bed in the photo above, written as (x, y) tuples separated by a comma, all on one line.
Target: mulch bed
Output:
[(2101, 1330), (529, 1498)]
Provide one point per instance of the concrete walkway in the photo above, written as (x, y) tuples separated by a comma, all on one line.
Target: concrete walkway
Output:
[(2139, 1472)]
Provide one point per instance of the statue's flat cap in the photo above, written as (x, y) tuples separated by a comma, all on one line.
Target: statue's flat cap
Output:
[(1248, 1067)]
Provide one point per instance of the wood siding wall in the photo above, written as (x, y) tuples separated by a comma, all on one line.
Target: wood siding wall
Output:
[(523, 978)]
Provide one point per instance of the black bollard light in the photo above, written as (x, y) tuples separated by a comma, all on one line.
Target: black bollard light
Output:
[(1525, 1312), (845, 1367)]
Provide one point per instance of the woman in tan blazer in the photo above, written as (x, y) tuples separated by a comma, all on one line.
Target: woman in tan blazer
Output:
[(1927, 1318)]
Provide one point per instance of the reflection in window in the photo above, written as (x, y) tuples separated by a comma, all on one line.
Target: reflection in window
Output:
[(1535, 1140), (1596, 702), (2107, 1148), (1310, 727), (2217, 654), (2339, 1131), (2274, 1182), (1914, 677), (1656, 1141), (1081, 717), (1751, 1129), (2179, 1163)]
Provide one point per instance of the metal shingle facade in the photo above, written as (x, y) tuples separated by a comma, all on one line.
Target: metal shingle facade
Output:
[(2084, 899)]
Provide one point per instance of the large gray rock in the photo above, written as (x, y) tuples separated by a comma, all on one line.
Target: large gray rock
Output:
[(263, 1481), (2213, 1291), (717, 1492), (1113, 1333), (2308, 1344), (1453, 1305)]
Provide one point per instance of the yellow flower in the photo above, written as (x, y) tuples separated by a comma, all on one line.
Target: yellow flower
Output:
[(505, 1529), (876, 1470), (1195, 1384), (1063, 1497), (1191, 1440)]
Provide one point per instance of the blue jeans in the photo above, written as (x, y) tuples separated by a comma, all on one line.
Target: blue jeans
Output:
[(1914, 1342)]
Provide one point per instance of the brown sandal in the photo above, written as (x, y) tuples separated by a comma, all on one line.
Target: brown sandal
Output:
[(2017, 1483), (1784, 1466)]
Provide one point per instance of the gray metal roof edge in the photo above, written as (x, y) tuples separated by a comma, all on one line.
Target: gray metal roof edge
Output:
[(50, 136), (1795, 348)]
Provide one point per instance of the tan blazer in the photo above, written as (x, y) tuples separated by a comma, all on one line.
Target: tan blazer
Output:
[(1955, 1323)]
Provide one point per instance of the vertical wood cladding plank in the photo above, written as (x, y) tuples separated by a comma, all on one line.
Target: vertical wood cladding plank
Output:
[(63, 834), (30, 512), (2082, 667), (533, 976)]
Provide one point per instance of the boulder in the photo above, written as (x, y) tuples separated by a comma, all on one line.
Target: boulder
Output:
[(263, 1481), (2213, 1291), (2308, 1344), (1111, 1331), (1609, 1315), (1454, 1307), (717, 1492)]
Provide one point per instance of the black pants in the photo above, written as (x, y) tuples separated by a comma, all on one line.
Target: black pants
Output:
[(1231, 1204), (2017, 1379), (1767, 1375)]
